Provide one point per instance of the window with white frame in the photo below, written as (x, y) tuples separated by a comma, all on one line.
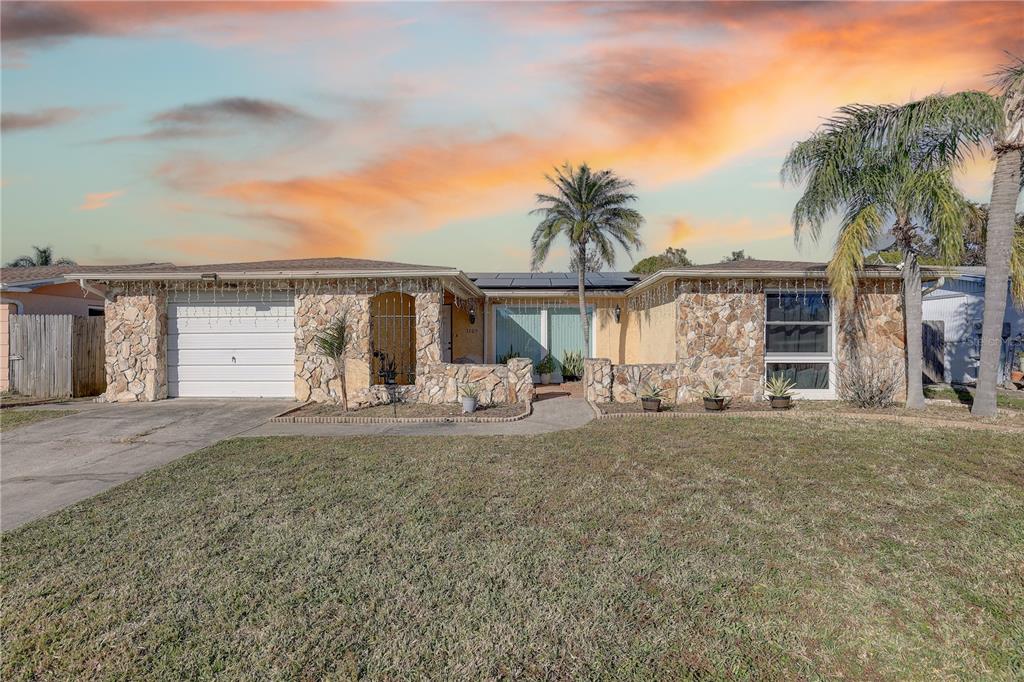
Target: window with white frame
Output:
[(799, 340)]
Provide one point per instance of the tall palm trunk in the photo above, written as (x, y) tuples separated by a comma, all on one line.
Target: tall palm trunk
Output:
[(912, 317), (583, 301), (1001, 215)]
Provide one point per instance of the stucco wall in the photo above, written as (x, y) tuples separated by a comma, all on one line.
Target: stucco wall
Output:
[(649, 336), (467, 338), (56, 299)]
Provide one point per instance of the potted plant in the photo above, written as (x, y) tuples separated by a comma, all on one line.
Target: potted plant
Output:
[(779, 390), (469, 393), (713, 398), (545, 368), (1018, 375), (651, 398)]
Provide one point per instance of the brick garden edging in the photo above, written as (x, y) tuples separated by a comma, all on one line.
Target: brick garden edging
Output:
[(789, 414), (355, 419)]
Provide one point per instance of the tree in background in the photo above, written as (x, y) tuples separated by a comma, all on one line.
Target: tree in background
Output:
[(735, 256), (593, 262), (850, 168), (591, 209), (672, 258), (42, 256)]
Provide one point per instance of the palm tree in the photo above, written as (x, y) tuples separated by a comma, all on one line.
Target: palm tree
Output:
[(849, 172), (42, 256), (590, 208), (1006, 186), (333, 341)]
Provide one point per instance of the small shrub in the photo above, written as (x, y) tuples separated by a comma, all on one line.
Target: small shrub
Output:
[(652, 392), (503, 359), (547, 365), (778, 386), (572, 365), (867, 383), (713, 390), (469, 391)]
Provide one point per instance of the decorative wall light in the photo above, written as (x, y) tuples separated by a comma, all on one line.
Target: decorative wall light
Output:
[(618, 313), (472, 314)]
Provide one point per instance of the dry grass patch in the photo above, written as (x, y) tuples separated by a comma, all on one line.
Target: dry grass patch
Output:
[(13, 418), (704, 548)]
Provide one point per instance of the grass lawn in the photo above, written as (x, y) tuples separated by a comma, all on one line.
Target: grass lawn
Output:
[(965, 396), (696, 548), (12, 419)]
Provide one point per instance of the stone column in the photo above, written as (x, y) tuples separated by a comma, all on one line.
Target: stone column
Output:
[(135, 348), (316, 378), (597, 380), (520, 380), (871, 333), (428, 332)]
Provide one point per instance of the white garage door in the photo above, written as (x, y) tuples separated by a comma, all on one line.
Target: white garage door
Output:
[(231, 347)]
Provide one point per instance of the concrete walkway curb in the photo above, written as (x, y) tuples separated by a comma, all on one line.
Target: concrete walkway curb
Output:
[(549, 415)]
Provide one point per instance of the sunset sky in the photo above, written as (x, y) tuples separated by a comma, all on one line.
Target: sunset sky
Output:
[(221, 131)]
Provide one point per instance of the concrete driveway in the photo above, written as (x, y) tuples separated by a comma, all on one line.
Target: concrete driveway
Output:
[(52, 464)]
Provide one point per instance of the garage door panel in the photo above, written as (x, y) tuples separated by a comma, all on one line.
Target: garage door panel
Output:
[(228, 341), (233, 389), (230, 356), (230, 373), (215, 325), (231, 348), (185, 311)]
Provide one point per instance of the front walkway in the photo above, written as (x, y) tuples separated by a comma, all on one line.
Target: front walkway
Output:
[(554, 410)]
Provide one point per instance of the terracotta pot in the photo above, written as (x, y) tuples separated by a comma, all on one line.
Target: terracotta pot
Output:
[(1016, 377), (651, 404), (781, 403), (714, 404)]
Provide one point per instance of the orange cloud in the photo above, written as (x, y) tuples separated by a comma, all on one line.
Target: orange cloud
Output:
[(686, 233), (656, 110), (98, 200)]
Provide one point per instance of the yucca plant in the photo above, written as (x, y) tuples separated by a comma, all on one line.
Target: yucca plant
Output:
[(332, 342), (652, 392), (713, 390), (778, 386), (572, 365)]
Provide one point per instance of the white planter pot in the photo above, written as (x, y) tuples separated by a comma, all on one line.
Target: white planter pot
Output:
[(545, 378), (468, 405)]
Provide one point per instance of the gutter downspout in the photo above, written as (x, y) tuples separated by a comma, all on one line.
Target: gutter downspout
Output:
[(937, 285), (106, 296), (15, 302)]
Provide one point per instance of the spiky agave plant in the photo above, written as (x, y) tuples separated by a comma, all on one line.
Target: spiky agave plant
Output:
[(856, 169), (332, 342)]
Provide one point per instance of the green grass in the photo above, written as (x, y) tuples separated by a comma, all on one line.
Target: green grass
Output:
[(12, 419), (698, 548), (964, 395)]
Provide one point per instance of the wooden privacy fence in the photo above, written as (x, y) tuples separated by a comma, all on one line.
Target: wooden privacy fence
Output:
[(57, 356)]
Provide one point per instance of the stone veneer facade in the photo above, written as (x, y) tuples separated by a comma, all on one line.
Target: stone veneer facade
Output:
[(135, 336), (136, 345), (720, 337)]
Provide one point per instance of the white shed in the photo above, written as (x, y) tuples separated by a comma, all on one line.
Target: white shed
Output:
[(954, 311)]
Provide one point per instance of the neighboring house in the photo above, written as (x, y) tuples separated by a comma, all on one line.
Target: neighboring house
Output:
[(249, 329), (44, 290), (953, 313)]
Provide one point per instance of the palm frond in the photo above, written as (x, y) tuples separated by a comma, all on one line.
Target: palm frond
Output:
[(859, 230)]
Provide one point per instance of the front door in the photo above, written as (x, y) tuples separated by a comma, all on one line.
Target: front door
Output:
[(566, 334)]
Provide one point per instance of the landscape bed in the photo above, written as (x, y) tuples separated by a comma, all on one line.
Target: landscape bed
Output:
[(696, 548), (403, 412)]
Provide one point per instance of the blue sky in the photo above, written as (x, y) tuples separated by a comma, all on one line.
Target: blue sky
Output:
[(210, 132)]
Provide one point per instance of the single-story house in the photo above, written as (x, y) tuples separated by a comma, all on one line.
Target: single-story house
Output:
[(952, 312), (249, 329)]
